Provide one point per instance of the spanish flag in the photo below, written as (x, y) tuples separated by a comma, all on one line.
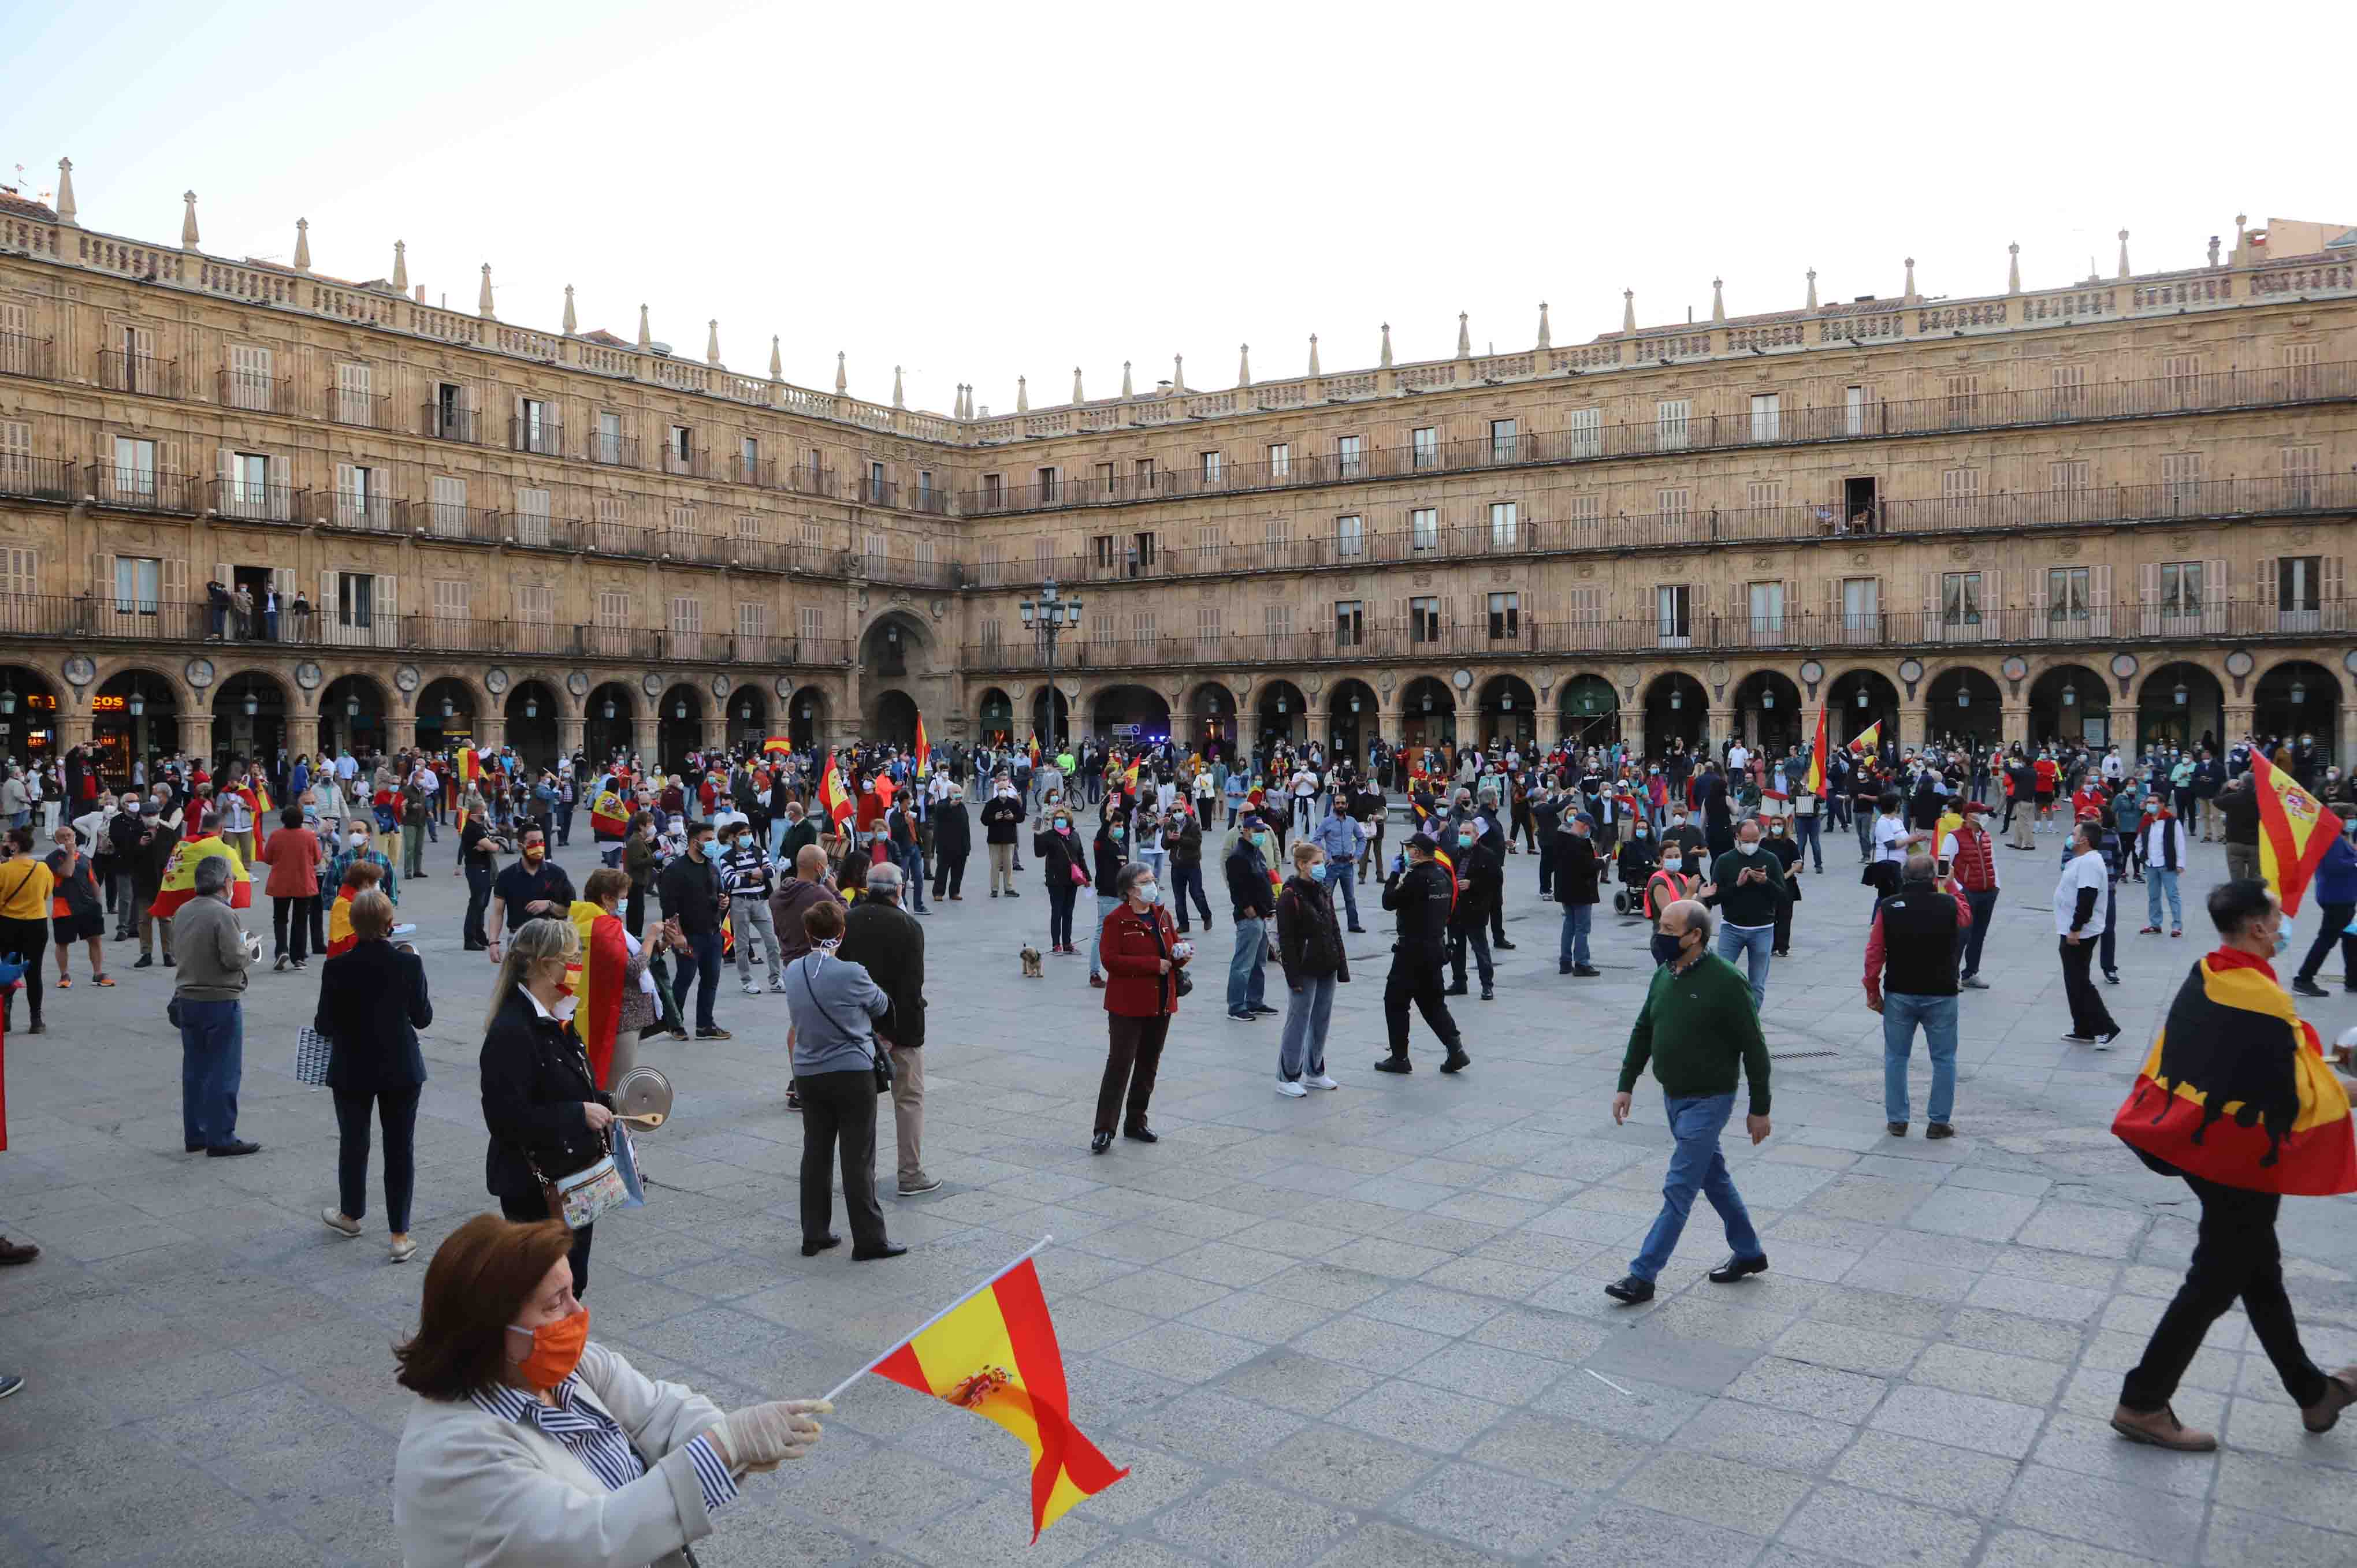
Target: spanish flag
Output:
[(597, 981), (778, 746), (923, 749), (2295, 830), (1864, 743), (2236, 1089), (468, 773), (1815, 783), (179, 883), (994, 1353), (340, 937), (832, 795), (607, 817)]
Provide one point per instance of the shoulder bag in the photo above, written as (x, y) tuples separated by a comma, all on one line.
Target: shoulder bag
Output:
[(876, 1055)]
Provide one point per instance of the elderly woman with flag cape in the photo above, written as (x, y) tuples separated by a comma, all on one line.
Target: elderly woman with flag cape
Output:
[(2235, 1098)]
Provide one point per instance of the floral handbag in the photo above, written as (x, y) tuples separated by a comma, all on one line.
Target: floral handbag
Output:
[(579, 1198)]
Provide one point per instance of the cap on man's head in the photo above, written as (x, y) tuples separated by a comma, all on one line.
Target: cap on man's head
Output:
[(1424, 842)]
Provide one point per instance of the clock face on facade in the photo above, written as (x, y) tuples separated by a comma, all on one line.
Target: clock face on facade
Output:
[(199, 672)]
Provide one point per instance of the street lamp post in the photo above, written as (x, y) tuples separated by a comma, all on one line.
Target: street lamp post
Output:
[(1049, 616)]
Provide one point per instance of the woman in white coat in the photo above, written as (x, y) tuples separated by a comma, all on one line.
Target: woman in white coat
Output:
[(531, 1447)]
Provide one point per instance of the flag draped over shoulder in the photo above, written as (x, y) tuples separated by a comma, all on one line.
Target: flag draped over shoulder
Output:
[(179, 884), (2295, 830), (340, 937), (2236, 1089), (608, 816), (597, 981), (994, 1353), (834, 796), (1815, 783)]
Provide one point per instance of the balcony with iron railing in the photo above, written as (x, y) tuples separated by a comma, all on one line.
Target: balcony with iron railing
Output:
[(361, 410), (121, 370), (22, 354), (2218, 391), (142, 489), (878, 492), (538, 531), (611, 449), (255, 392), (692, 464), (39, 478), (806, 481), (356, 511), (439, 423), (542, 436), (929, 500), (759, 471), (254, 501), (454, 521)]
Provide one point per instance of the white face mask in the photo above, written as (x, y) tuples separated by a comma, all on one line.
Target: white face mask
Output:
[(564, 1006), (1747, 848), (1148, 893)]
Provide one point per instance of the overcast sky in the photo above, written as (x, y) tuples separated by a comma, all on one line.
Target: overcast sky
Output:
[(982, 191)]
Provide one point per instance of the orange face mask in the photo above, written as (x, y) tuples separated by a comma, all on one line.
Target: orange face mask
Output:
[(555, 1349)]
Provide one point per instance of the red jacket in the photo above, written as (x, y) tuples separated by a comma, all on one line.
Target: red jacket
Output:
[(293, 856), (1135, 986)]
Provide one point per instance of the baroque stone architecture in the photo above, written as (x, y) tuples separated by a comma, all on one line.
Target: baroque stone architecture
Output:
[(2117, 509)]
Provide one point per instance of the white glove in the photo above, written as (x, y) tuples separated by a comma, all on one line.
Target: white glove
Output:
[(758, 1437)]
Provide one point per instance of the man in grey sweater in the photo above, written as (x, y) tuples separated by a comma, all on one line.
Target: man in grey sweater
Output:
[(209, 985)]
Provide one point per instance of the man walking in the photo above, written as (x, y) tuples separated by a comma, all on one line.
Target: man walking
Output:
[(1252, 898), (1912, 950), (1573, 853), (1971, 854), (1419, 891), (690, 890), (2080, 894), (1002, 815), (532, 887), (885, 937), (2163, 849), (1700, 1029), (1481, 890), (2233, 1028), (214, 952), (745, 879), (1748, 888)]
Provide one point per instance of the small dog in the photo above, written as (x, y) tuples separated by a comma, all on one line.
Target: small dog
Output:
[(1031, 970)]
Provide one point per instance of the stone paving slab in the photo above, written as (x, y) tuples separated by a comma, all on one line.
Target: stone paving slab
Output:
[(1360, 1329)]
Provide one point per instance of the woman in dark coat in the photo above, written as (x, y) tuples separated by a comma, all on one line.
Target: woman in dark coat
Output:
[(1137, 944), (545, 1115), (953, 841), (373, 1002), (1060, 849)]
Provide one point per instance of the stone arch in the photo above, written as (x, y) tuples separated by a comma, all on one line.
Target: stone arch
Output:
[(122, 736), (1509, 710), (183, 695), (1209, 709), (746, 715), (895, 643), (1352, 729), (2180, 702), (1677, 709), (1963, 702), (1767, 705), (30, 713), (1427, 710), (1847, 717), (470, 723), (604, 732), (1588, 709), (994, 716), (678, 733), (2296, 696), (250, 707)]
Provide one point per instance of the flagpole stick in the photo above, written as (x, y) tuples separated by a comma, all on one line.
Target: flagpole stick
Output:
[(836, 1393)]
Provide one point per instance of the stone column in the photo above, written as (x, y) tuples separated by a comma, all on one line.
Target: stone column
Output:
[(643, 741), (1722, 721), (2347, 739), (1468, 726), (572, 733), (73, 729), (400, 731), (1550, 728), (716, 731), (196, 733), (2016, 724), (1914, 718)]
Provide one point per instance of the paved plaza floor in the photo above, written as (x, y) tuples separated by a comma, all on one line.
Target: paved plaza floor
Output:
[(1361, 1328)]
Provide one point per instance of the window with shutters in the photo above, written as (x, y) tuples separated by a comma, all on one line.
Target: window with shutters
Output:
[(1762, 494), (355, 601), (2300, 468), (686, 613), (810, 625), (2303, 377), (248, 376), (1964, 405), (1277, 619), (1350, 456), (1350, 623), (138, 584), (1959, 601), (926, 560), (1505, 616), (1143, 636), (1505, 526), (1583, 433), (2067, 391), (1211, 467), (1583, 509), (994, 486), (454, 598), (1586, 606), (874, 553), (2299, 592), (19, 574), (1208, 546), (1206, 631), (1045, 479), (2076, 474), (1861, 609), (2181, 590), (1960, 495), (753, 619), (1767, 611), (2180, 381), (1280, 461), (752, 525), (535, 426), (1101, 630), (1350, 537), (15, 338), (1103, 552), (1674, 504), (613, 607), (679, 449), (1674, 615), (535, 603), (1673, 419), (1860, 412), (682, 520), (1141, 552), (613, 526), (2071, 481), (1424, 619), (1277, 543), (134, 478), (994, 638), (353, 404), (1043, 557), (1767, 416), (749, 460), (1505, 440), (1142, 473), (992, 566), (1424, 530), (449, 504), (532, 514), (2068, 596), (247, 494), (1423, 446), (2180, 482)]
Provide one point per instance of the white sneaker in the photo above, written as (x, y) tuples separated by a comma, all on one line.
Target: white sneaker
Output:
[(751, 989), (1290, 1088), (1321, 1082)]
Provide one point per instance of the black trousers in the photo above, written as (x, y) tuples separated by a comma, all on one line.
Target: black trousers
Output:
[(949, 874), (2335, 919), (1480, 944), (290, 930), (1547, 867), (2088, 1014), (535, 1208), (479, 898), (1060, 913), (396, 1108), (2235, 1256), (1187, 880), (1133, 1056), (2107, 948), (839, 1113), (1415, 976), (29, 940), (1983, 906)]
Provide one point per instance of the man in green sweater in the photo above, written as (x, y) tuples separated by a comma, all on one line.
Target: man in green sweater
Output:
[(1700, 1029), (1748, 888)]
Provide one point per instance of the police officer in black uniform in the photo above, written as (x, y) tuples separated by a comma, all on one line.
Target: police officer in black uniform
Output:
[(1420, 891)]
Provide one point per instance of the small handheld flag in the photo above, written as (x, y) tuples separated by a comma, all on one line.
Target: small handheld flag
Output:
[(2295, 830), (994, 1352), (1815, 783), (778, 746), (923, 749)]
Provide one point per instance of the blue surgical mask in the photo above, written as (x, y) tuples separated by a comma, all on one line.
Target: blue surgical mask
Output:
[(1318, 872), (1464, 838), (2283, 940)]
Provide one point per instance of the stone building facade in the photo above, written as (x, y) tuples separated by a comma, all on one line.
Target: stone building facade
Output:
[(2118, 510)]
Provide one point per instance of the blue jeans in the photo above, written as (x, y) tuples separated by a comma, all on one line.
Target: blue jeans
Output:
[(213, 1065), (1901, 1013), (1758, 946), (1695, 1163), (777, 836), (1106, 905), (1306, 1013), (1806, 833), (1577, 920), (705, 946), (1247, 966), (2156, 878), (913, 872), (1344, 875)]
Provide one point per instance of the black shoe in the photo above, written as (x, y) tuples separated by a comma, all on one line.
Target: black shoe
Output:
[(714, 1033), (1630, 1289), (196, 1148), (228, 1151), (37, 1028), (1586, 971), (2304, 986), (1896, 1129), (1453, 990), (1733, 1268), (1396, 1064), (1101, 1143), (1012, 893), (812, 1249), (1487, 995), (1562, 968), (1938, 1130), (1360, 931), (1142, 1133), (2110, 977), (145, 960), (1264, 1010), (889, 1250), (168, 961), (1502, 943), (1246, 1016), (1456, 1061)]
